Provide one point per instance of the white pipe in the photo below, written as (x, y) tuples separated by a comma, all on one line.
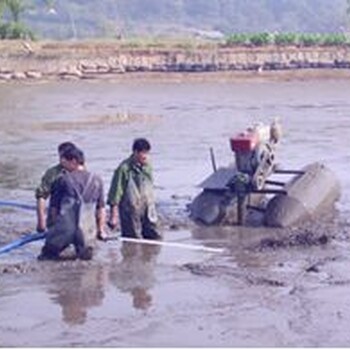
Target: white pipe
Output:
[(168, 244)]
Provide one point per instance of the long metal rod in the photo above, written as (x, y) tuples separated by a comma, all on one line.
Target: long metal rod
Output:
[(37, 236), (266, 191), (275, 183), (281, 171), (166, 244), (213, 161)]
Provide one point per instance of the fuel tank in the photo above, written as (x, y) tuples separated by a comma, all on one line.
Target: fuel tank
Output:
[(308, 195)]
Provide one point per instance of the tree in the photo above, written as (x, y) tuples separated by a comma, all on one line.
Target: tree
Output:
[(16, 8), (2, 7), (14, 29)]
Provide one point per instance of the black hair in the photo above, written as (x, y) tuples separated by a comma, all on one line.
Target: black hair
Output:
[(140, 145), (64, 146), (74, 153)]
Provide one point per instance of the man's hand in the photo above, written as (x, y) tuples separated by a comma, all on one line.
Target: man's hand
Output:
[(102, 236), (112, 224), (41, 227)]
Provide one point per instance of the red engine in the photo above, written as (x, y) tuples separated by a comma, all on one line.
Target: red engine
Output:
[(248, 140)]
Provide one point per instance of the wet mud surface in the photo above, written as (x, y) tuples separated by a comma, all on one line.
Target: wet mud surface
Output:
[(136, 295), (268, 287)]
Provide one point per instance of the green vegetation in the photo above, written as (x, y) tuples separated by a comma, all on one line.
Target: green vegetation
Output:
[(260, 39), (335, 40), (282, 39), (309, 39), (10, 25)]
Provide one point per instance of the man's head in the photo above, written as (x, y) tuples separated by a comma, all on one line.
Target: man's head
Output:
[(62, 148), (141, 148), (72, 158)]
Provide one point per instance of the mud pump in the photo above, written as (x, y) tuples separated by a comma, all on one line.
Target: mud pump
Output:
[(231, 194)]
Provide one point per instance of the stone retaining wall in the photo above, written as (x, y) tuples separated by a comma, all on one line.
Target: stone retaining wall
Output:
[(79, 61)]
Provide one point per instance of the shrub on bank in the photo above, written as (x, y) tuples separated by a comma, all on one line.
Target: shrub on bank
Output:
[(259, 39), (253, 39), (309, 39), (334, 39), (15, 30), (281, 39), (237, 39)]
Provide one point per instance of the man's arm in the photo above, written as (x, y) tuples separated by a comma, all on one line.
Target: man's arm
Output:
[(101, 213), (101, 223), (115, 194), (42, 193), (40, 213)]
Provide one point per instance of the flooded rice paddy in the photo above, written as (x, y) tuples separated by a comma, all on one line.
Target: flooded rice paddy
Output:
[(254, 293)]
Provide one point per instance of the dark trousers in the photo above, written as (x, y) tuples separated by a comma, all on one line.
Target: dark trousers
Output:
[(136, 224), (64, 232)]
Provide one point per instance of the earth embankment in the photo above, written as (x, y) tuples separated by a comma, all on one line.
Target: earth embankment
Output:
[(20, 60)]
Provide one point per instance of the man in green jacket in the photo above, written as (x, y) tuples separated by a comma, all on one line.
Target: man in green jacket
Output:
[(131, 194), (44, 190)]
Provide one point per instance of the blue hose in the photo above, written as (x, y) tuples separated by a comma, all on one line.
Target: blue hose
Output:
[(17, 205), (22, 241), (25, 239)]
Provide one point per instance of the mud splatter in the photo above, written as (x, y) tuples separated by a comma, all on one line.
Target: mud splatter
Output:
[(93, 122), (295, 240)]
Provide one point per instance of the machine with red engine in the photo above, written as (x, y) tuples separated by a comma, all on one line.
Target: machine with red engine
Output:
[(231, 193)]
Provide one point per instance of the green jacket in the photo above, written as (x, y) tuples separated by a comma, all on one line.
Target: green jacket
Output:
[(128, 168), (50, 176)]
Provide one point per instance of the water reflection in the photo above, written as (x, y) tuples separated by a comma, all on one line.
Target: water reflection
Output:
[(14, 174), (239, 242), (76, 294), (134, 274)]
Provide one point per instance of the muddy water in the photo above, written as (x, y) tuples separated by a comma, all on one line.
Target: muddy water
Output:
[(291, 294)]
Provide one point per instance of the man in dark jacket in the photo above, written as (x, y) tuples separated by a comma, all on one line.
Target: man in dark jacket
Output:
[(77, 208), (131, 193)]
